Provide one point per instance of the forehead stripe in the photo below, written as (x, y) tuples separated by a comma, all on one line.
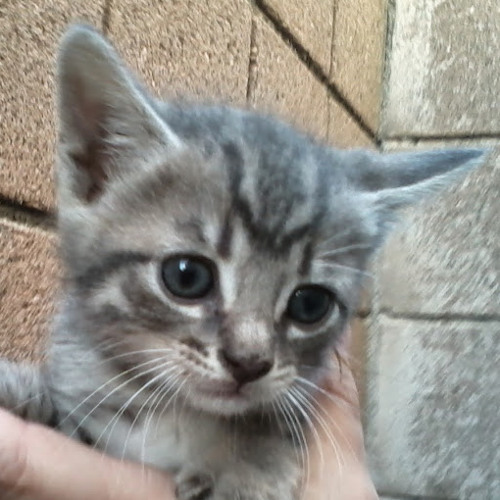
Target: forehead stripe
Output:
[(109, 264)]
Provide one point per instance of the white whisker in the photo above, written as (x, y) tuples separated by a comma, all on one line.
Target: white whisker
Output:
[(298, 395), (348, 248), (113, 421), (339, 402), (351, 269), (314, 412), (102, 386)]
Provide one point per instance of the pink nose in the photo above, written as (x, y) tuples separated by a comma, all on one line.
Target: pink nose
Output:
[(245, 369)]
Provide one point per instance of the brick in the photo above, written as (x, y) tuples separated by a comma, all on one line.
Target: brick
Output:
[(28, 285), (284, 86), (186, 48), (445, 259), (310, 22), (444, 69), (432, 422), (346, 39), (358, 55), (29, 32), (343, 131)]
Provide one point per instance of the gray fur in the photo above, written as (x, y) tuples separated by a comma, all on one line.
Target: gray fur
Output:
[(139, 180)]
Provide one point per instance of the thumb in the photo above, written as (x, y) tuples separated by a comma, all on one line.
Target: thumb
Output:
[(37, 463)]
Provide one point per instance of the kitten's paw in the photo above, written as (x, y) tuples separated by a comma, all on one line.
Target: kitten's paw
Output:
[(194, 486)]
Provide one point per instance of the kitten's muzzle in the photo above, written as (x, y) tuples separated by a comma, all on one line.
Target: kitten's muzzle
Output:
[(245, 369)]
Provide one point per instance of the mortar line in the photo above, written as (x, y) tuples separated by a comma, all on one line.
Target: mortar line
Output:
[(441, 137), (390, 19), (317, 71), (420, 316), (20, 213), (252, 63), (409, 496), (106, 16), (330, 66)]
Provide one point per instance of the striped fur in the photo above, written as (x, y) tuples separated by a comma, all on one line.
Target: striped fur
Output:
[(138, 373)]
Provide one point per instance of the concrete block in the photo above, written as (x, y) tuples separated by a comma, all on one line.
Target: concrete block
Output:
[(284, 86), (188, 49), (357, 356), (358, 55), (28, 285), (310, 22), (445, 259), (29, 32), (432, 411), (444, 69)]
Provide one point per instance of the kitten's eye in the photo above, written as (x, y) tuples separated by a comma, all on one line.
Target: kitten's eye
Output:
[(309, 304), (187, 277)]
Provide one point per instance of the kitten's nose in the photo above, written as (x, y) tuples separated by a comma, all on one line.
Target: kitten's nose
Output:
[(246, 369)]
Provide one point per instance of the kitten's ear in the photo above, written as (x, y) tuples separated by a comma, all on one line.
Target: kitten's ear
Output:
[(395, 180), (106, 122)]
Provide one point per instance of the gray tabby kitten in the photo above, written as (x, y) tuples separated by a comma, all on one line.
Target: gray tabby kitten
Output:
[(213, 259)]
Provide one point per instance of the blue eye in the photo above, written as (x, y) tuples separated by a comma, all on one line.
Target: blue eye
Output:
[(188, 277), (309, 304)]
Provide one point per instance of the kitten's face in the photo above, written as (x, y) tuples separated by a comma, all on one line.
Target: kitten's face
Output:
[(214, 253), (227, 290)]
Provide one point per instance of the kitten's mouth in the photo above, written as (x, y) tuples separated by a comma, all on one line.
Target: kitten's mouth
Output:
[(223, 390), (223, 398)]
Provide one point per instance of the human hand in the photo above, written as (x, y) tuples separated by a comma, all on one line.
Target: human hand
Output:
[(37, 463), (338, 469)]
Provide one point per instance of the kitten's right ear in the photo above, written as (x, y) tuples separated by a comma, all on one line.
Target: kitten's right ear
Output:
[(106, 122)]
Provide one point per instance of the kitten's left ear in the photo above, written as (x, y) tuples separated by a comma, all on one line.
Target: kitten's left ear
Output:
[(396, 180), (106, 122)]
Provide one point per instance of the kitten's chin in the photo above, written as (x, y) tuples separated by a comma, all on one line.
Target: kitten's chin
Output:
[(225, 403)]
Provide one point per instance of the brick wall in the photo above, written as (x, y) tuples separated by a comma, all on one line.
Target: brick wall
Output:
[(428, 335)]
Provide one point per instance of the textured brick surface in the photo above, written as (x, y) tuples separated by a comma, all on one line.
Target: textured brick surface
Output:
[(446, 257), (310, 22), (284, 86), (187, 48), (433, 408), (346, 38), (29, 31), (343, 131), (444, 68), (358, 54), (28, 271)]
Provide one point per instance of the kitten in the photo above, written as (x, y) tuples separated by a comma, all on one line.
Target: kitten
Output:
[(213, 259)]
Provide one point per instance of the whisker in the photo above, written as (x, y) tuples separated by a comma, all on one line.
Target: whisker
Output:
[(301, 441), (331, 438), (163, 392), (339, 402), (131, 353), (304, 413), (173, 398), (102, 386), (337, 251), (293, 400), (113, 421), (335, 237), (295, 439), (349, 268)]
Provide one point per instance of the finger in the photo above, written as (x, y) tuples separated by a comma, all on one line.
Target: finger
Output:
[(37, 463)]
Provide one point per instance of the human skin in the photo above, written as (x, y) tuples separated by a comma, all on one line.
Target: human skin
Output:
[(37, 463)]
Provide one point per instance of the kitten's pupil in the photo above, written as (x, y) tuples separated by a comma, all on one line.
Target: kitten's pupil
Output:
[(309, 304), (187, 277)]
